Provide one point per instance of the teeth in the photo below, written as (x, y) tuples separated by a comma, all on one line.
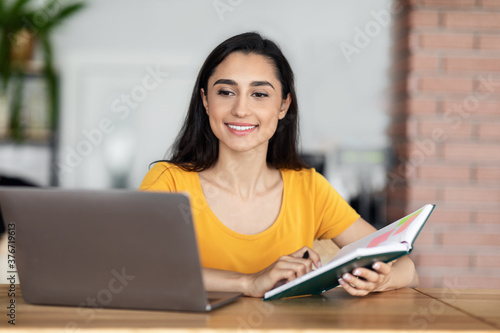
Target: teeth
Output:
[(241, 128)]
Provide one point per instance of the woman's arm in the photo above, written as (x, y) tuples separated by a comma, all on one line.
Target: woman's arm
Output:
[(285, 269), (398, 274)]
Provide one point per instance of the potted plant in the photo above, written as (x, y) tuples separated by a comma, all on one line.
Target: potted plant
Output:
[(23, 23)]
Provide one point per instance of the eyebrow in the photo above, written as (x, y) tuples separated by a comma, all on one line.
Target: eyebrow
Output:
[(253, 84)]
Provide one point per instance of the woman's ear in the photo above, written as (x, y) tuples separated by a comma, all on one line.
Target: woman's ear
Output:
[(285, 104), (204, 99)]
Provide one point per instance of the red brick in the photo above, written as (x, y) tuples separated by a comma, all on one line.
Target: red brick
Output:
[(488, 173), (489, 131), (482, 108), (400, 66), (490, 261), (400, 45), (423, 19), (418, 152), (447, 3), (471, 194), (488, 217), (422, 193), (398, 128), (446, 41), (425, 281), (435, 84), (414, 193), (419, 106), (469, 238), (472, 64), (443, 172), (426, 238), (399, 87), (442, 260), (489, 42), (449, 130), (441, 215), (471, 20), (472, 152), (395, 211), (423, 63), (490, 3)]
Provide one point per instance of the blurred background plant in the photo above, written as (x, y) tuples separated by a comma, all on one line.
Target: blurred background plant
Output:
[(24, 25)]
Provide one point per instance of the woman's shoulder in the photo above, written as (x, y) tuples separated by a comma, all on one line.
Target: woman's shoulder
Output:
[(160, 168), (163, 176), (303, 177), (304, 173)]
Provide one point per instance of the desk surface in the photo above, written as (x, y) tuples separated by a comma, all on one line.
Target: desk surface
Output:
[(401, 310)]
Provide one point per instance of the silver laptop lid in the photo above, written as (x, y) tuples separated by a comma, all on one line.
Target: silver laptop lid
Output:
[(113, 248)]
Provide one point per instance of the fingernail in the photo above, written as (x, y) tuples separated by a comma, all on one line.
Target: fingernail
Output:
[(376, 265), (341, 281), (320, 264), (356, 272), (346, 277)]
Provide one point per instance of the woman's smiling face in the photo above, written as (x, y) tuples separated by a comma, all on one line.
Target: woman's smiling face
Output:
[(244, 101)]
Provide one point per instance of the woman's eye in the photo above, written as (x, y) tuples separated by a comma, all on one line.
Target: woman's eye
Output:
[(260, 95), (224, 93)]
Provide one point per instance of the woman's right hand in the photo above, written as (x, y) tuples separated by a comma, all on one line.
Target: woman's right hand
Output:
[(285, 269)]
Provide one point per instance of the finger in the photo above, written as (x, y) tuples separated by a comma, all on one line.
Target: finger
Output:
[(366, 274), (382, 268), (300, 253), (313, 255), (298, 265), (316, 259), (359, 284), (283, 276), (351, 290)]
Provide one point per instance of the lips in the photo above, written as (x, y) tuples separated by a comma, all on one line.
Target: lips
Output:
[(241, 128)]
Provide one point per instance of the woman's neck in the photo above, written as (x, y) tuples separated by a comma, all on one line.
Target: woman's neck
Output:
[(244, 173)]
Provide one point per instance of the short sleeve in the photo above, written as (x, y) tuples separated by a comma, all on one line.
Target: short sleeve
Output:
[(334, 214), (159, 178)]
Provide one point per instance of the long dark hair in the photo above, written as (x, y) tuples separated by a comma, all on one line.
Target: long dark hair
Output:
[(196, 148)]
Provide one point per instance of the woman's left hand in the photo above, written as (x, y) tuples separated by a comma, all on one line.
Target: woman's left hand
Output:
[(363, 281)]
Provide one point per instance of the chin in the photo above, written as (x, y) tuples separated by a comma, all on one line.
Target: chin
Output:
[(243, 147)]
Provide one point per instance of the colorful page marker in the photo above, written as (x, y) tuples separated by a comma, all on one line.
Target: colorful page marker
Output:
[(407, 222), (377, 240)]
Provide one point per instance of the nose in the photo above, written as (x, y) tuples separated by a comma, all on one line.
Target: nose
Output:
[(241, 108)]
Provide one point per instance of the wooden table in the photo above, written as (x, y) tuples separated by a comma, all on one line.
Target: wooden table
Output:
[(429, 310)]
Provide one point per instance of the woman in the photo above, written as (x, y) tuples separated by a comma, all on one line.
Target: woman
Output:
[(257, 208)]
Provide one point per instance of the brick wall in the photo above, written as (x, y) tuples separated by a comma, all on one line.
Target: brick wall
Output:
[(446, 137)]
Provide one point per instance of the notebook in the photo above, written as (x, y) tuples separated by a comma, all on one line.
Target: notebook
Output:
[(387, 244), (113, 248)]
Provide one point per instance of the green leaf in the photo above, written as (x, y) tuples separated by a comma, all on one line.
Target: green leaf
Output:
[(16, 131), (2, 13), (12, 16), (60, 16), (17, 7)]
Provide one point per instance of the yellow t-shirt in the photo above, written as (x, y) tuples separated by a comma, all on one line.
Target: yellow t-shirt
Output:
[(311, 209)]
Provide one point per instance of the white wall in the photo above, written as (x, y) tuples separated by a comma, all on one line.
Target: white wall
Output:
[(105, 52)]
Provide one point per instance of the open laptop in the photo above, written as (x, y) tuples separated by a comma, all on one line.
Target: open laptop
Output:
[(113, 248)]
